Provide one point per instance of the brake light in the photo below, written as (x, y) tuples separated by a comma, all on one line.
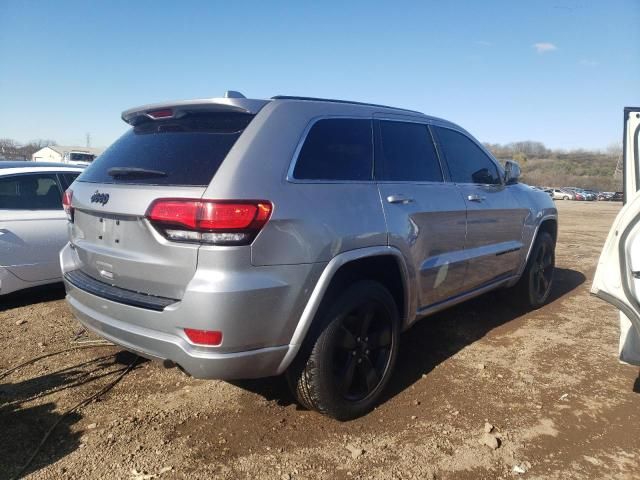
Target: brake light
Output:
[(164, 113), (212, 222), (204, 337), (66, 204)]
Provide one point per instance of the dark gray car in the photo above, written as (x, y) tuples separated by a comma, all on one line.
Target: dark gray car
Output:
[(244, 238)]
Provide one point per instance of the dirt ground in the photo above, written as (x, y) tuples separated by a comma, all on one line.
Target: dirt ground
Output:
[(548, 381)]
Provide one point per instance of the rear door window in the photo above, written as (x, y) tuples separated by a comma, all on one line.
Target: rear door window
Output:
[(407, 153), (337, 149), (30, 192), (467, 162), (186, 151), (68, 178)]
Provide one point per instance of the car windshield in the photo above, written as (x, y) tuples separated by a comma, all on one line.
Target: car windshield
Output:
[(82, 157)]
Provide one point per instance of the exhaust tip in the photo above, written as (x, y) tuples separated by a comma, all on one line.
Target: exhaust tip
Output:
[(169, 364)]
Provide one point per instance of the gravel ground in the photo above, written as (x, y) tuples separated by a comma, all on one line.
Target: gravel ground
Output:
[(543, 387)]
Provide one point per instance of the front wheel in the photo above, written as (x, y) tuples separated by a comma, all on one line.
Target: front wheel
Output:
[(348, 363), (534, 286)]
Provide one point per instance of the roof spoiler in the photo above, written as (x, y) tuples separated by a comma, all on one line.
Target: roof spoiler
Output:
[(155, 111)]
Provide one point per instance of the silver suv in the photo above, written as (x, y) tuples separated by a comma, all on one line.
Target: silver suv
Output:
[(241, 238)]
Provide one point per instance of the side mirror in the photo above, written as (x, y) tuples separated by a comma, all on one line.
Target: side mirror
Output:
[(511, 172)]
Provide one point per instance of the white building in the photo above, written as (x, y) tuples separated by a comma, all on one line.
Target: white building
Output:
[(56, 153)]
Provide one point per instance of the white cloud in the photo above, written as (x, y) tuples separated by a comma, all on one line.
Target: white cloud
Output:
[(544, 47), (484, 43)]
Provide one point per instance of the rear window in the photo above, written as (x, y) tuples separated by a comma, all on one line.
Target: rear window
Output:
[(336, 149), (186, 151)]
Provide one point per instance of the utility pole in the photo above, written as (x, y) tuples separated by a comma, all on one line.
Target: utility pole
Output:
[(88, 138)]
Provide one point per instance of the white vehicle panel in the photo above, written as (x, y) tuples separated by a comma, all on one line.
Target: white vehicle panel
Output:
[(617, 278), (30, 242), (30, 239)]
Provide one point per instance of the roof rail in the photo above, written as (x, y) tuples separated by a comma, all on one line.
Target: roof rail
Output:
[(314, 99)]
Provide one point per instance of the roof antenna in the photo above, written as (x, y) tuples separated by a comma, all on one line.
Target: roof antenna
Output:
[(233, 94)]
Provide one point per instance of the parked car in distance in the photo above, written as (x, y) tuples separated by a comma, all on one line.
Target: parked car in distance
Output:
[(33, 225), (617, 197), (605, 196), (581, 194), (242, 238), (562, 194), (577, 194)]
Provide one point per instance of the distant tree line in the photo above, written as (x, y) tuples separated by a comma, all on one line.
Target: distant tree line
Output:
[(12, 150), (542, 166), (528, 148)]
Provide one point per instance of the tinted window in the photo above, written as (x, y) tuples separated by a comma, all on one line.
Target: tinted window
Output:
[(67, 179), (30, 192), (408, 153), (336, 149), (185, 151), (467, 162)]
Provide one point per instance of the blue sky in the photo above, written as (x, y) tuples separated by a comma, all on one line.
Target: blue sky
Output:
[(559, 71)]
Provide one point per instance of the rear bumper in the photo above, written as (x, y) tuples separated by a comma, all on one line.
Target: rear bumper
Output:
[(257, 311), (161, 346)]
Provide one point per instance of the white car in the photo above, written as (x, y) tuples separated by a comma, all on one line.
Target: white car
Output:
[(617, 278), (560, 194), (33, 225)]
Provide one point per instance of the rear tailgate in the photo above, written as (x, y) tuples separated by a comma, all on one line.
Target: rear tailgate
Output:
[(117, 245), (174, 157)]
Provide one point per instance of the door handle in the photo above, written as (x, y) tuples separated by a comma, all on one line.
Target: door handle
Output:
[(399, 198), (475, 198)]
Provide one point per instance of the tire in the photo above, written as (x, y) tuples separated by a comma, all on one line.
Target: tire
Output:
[(565, 198), (348, 361), (534, 287)]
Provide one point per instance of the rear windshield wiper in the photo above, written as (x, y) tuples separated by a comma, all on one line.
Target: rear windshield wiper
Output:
[(122, 172)]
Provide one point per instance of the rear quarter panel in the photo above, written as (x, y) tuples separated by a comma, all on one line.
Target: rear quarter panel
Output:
[(311, 221)]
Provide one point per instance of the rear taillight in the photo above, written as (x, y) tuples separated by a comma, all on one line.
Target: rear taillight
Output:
[(204, 337), (215, 222), (66, 203)]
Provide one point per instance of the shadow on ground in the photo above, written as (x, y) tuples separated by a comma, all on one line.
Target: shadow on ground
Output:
[(32, 296), (23, 425), (435, 339)]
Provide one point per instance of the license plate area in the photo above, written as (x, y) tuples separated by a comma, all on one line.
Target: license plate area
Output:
[(110, 230), (113, 231)]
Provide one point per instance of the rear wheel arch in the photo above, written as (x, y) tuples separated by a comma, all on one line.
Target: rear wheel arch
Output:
[(384, 269), (384, 264), (550, 225)]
